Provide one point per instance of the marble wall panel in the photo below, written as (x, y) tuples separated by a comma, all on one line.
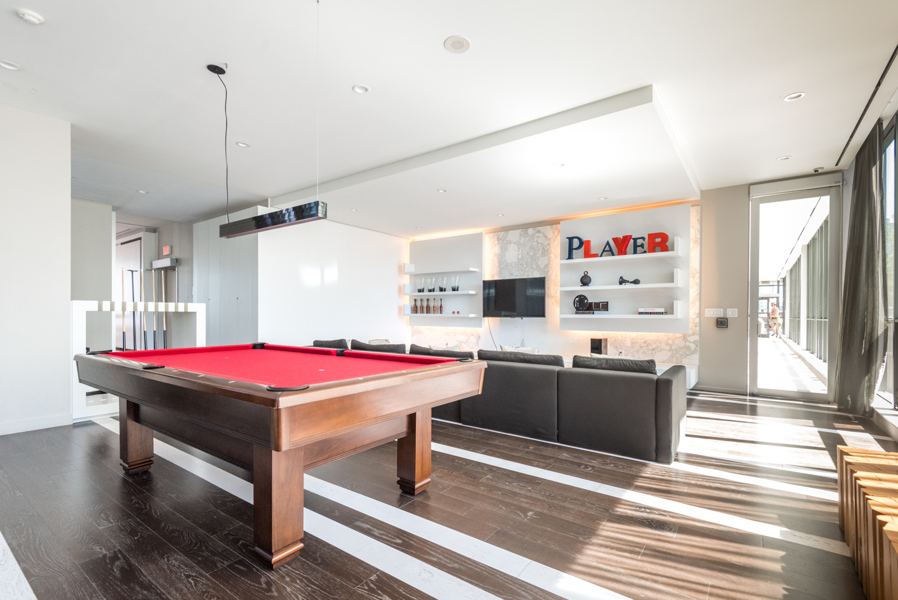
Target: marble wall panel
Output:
[(534, 252)]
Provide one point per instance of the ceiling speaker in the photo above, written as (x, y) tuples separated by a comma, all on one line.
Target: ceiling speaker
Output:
[(456, 44)]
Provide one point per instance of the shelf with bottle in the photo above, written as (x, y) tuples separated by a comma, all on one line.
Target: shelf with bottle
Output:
[(678, 282), (447, 285), (421, 310)]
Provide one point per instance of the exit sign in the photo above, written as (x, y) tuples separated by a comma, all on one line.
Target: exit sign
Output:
[(166, 250)]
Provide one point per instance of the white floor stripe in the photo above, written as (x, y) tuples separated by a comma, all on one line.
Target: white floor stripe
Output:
[(547, 578), (753, 402), (686, 510), (384, 557), (827, 473), (770, 425), (717, 473), (412, 571), (759, 399), (13, 585)]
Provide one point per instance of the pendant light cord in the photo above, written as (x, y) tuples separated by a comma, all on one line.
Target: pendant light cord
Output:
[(317, 94), (227, 166)]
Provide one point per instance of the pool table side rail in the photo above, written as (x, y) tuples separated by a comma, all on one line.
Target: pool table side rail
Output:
[(282, 420)]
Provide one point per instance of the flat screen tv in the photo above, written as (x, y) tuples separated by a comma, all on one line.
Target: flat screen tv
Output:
[(514, 297)]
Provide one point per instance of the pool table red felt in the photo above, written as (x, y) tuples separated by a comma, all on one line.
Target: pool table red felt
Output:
[(281, 366), (279, 411)]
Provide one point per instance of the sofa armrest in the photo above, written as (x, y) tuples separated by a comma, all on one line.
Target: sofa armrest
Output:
[(670, 411)]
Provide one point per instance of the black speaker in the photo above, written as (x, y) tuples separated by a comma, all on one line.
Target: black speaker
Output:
[(598, 346)]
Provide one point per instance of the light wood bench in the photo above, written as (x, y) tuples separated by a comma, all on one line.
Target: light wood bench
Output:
[(868, 514)]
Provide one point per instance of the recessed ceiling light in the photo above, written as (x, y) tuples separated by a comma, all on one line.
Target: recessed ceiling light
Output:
[(500, 215), (456, 44), (442, 191), (30, 17), (786, 157), (558, 164), (142, 192), (794, 96), (360, 89), (242, 144), (418, 227), (10, 65), (603, 198), (353, 210)]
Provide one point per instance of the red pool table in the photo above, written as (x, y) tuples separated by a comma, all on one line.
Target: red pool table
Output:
[(278, 411)]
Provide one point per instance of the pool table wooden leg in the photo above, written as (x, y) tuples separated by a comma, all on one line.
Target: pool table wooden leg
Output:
[(413, 455), (277, 504), (135, 440)]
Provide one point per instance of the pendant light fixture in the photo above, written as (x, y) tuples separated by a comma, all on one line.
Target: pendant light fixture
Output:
[(312, 211)]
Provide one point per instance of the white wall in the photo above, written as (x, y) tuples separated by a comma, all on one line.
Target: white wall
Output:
[(35, 314), (93, 261), (326, 280), (226, 279), (724, 269)]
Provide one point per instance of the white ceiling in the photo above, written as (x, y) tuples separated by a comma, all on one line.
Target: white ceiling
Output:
[(145, 113)]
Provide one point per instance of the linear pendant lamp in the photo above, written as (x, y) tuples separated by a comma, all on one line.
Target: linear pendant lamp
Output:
[(304, 213)]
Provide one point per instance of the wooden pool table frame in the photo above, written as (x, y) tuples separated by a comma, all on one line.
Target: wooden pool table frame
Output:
[(280, 435)]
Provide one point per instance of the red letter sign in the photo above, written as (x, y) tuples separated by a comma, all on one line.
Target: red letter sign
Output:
[(587, 251), (621, 244), (657, 242)]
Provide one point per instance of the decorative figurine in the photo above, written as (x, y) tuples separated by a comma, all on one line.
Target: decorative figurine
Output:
[(623, 281), (586, 279), (581, 302)]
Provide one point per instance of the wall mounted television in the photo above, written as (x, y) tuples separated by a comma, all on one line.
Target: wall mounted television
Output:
[(514, 297)]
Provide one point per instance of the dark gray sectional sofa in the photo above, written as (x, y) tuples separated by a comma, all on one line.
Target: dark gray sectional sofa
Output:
[(636, 414)]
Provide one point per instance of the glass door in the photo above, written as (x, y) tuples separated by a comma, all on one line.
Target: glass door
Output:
[(794, 287)]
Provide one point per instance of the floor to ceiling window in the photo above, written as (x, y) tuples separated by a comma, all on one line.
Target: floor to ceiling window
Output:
[(887, 384)]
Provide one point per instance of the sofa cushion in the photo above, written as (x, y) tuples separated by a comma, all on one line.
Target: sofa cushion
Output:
[(392, 348), (554, 360), (416, 349), (609, 411), (339, 344), (616, 364), (516, 398)]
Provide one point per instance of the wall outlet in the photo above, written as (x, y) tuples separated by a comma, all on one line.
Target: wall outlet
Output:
[(713, 312), (732, 313)]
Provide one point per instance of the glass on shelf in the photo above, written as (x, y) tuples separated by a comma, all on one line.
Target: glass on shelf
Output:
[(431, 283), (419, 284), (442, 284), (455, 283)]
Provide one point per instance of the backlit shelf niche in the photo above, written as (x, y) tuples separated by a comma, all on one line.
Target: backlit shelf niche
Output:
[(664, 276), (460, 256)]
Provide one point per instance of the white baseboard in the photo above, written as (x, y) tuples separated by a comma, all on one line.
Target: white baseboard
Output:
[(58, 420)]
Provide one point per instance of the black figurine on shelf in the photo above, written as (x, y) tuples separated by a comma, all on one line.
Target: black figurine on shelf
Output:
[(586, 279), (623, 281)]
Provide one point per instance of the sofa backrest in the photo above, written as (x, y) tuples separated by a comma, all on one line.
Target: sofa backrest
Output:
[(555, 360), (517, 398), (609, 411)]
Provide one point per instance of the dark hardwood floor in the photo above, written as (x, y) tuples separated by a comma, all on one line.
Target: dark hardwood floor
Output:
[(747, 512)]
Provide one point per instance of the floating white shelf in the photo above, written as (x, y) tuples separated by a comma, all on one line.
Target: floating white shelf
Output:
[(408, 289), (619, 317), (446, 316), (675, 253), (676, 283), (675, 314), (462, 293), (409, 269)]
